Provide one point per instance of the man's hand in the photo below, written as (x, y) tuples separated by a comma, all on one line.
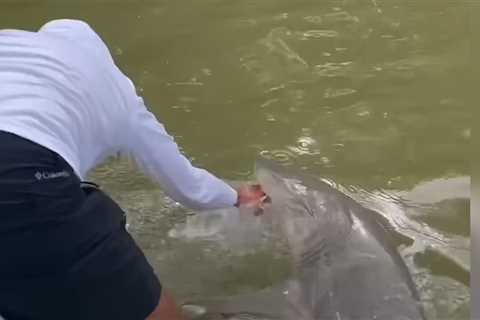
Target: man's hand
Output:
[(252, 196)]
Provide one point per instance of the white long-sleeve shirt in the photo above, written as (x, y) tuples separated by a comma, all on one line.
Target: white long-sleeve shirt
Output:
[(60, 88)]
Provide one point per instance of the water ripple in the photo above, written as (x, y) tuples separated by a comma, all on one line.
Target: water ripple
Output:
[(333, 69), (340, 16), (284, 157), (319, 34), (314, 19), (275, 43), (334, 93), (306, 145)]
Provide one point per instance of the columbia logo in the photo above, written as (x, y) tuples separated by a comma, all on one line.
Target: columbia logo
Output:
[(51, 175)]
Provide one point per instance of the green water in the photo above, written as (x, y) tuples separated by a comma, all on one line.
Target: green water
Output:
[(374, 95)]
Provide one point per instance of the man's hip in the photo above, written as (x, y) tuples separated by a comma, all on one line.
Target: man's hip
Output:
[(65, 251)]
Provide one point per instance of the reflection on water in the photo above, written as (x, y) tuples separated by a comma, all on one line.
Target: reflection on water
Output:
[(374, 95)]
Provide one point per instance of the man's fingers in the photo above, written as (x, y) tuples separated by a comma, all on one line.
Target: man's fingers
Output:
[(256, 188)]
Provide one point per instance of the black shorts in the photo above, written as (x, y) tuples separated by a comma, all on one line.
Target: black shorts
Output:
[(64, 250)]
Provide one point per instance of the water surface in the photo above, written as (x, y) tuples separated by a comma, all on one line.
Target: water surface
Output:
[(373, 95)]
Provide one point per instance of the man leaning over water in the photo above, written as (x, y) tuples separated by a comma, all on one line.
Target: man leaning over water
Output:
[(64, 108)]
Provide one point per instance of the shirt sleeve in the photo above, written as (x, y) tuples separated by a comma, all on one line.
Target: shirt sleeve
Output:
[(156, 152)]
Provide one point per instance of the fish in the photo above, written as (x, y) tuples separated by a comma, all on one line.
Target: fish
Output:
[(345, 259)]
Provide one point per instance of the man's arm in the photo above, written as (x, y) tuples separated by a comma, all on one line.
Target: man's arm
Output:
[(146, 140), (156, 152)]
